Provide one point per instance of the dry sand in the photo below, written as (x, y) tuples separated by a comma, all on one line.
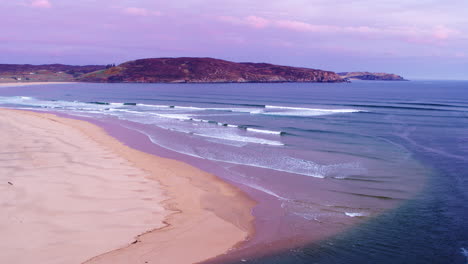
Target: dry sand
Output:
[(70, 193)]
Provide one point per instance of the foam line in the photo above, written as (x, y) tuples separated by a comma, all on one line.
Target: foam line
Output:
[(264, 131)]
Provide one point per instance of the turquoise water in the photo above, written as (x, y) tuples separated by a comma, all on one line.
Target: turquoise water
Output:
[(372, 172)]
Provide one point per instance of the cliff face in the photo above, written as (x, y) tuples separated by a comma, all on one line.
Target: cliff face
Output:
[(47, 73), (206, 70), (371, 76)]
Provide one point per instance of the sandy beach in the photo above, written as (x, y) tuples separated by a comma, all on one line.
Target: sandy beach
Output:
[(70, 193), (14, 84)]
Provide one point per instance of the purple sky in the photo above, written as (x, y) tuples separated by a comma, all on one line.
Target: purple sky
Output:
[(416, 38)]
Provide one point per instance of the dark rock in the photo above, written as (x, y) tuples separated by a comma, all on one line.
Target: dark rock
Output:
[(368, 76)]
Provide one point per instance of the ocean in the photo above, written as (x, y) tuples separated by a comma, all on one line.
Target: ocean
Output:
[(362, 172)]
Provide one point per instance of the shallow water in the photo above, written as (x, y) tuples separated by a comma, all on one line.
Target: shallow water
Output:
[(319, 158)]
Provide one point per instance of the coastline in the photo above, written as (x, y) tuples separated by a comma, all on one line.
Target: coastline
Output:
[(205, 216), (15, 84)]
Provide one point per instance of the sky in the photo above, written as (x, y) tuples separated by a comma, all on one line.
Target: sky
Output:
[(419, 39)]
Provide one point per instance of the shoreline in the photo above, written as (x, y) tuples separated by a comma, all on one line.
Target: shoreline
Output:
[(200, 205), (16, 84)]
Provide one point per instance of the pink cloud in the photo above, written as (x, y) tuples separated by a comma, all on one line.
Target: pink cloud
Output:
[(436, 35), (136, 11), (443, 33), (361, 29), (41, 4), (304, 27), (307, 27), (257, 22), (251, 21)]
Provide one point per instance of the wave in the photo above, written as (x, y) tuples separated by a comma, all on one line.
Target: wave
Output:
[(320, 131), (275, 162), (201, 102), (174, 116), (125, 111), (398, 107), (99, 103), (188, 107), (451, 107), (193, 108), (154, 106), (373, 196), (283, 164), (430, 104), (242, 139), (303, 111), (252, 109), (260, 109), (314, 109), (355, 214), (265, 190), (263, 131), (123, 104), (464, 252)]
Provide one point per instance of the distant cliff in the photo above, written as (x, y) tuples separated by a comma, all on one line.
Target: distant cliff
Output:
[(371, 76), (205, 70), (44, 73)]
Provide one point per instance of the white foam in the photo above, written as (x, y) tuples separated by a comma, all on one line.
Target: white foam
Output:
[(174, 116), (267, 191), (303, 111), (464, 252), (314, 109), (117, 104), (218, 123), (193, 108), (264, 131), (125, 111), (355, 214), (233, 137), (161, 118), (66, 105), (273, 162), (154, 140), (308, 216), (155, 106), (237, 110), (189, 108)]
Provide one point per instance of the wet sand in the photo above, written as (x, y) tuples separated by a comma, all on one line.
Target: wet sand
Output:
[(70, 193)]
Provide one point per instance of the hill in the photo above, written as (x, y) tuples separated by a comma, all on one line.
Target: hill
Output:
[(205, 70), (371, 76)]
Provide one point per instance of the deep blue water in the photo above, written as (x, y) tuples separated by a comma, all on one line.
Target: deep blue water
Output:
[(389, 159)]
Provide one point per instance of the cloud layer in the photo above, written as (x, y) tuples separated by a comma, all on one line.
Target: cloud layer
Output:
[(406, 33)]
